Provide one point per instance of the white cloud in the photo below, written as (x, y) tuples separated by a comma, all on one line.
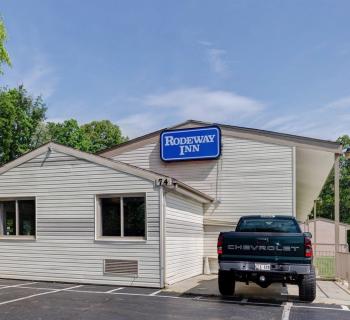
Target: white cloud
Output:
[(138, 124), (36, 74), (190, 103), (217, 61), (325, 122), (205, 43), (340, 103), (216, 58)]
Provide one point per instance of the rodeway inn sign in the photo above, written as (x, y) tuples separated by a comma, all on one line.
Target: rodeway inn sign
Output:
[(190, 144)]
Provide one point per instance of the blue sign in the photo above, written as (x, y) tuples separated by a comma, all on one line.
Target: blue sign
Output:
[(190, 144)]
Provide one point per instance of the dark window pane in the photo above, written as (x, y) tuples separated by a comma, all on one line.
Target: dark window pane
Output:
[(134, 216), (268, 225), (26, 211), (110, 211), (9, 218)]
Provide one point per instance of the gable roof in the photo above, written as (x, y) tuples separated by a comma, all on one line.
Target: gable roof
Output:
[(173, 184), (240, 132)]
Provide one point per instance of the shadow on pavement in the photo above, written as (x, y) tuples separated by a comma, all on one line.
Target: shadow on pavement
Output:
[(275, 293)]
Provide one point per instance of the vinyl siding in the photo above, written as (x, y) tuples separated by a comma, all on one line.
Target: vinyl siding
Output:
[(65, 248), (250, 177), (184, 238)]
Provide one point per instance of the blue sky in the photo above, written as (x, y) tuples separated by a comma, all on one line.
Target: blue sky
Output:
[(276, 65)]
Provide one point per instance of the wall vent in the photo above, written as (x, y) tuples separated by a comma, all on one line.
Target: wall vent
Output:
[(121, 267)]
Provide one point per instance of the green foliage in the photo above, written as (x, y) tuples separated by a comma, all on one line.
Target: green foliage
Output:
[(102, 134), (325, 207), (68, 133), (4, 56), (90, 137), (20, 116)]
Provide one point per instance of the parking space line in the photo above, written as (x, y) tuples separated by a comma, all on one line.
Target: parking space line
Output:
[(286, 310), (36, 295), (155, 293), (113, 290), (286, 307), (322, 308), (18, 285), (39, 288)]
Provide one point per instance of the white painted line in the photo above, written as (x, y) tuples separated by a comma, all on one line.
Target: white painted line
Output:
[(18, 285), (198, 298), (155, 293), (114, 290), (71, 288), (37, 295), (244, 300), (286, 311), (321, 308), (127, 294), (39, 288)]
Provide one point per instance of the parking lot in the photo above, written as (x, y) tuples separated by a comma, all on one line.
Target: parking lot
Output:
[(45, 300)]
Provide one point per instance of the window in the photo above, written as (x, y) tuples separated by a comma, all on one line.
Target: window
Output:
[(268, 225), (17, 217), (121, 216)]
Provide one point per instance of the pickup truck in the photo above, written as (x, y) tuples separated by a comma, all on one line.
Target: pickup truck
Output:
[(266, 249)]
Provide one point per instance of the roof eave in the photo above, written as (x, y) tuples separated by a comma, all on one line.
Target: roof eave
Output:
[(244, 133)]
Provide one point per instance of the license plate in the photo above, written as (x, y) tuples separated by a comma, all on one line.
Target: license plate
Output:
[(262, 267)]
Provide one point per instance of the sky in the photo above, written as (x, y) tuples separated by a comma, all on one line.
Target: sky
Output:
[(145, 65)]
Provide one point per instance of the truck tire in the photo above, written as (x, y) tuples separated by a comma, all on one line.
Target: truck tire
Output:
[(307, 286), (226, 283)]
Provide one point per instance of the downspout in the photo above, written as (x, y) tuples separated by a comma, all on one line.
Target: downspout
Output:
[(162, 236)]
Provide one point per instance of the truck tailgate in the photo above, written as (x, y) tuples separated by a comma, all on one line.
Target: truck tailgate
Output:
[(264, 247)]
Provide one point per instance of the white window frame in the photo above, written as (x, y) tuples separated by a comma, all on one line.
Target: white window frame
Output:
[(17, 236), (98, 218)]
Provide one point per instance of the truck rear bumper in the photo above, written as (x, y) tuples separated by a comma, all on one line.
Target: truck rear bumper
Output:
[(247, 266)]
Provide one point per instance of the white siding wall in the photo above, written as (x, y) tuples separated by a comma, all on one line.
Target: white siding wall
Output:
[(250, 178), (65, 248), (184, 238)]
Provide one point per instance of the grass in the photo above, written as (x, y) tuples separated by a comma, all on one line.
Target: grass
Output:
[(325, 266)]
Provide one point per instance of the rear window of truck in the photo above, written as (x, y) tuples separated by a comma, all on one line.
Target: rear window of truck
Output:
[(268, 225)]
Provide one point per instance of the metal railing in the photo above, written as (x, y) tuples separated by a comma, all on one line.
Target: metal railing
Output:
[(326, 260)]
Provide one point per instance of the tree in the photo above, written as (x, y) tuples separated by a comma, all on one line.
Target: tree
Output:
[(325, 206), (20, 116), (68, 133), (4, 56), (90, 137), (102, 134)]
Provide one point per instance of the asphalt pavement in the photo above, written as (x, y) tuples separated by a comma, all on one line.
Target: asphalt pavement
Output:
[(44, 300)]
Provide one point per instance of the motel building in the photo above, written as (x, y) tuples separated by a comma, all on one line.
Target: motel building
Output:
[(148, 212)]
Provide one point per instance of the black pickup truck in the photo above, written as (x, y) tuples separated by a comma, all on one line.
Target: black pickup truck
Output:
[(266, 249)]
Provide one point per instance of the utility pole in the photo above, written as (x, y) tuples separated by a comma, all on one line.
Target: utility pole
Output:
[(315, 225), (336, 211), (336, 201)]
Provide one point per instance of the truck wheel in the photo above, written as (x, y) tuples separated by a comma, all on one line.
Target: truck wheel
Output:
[(307, 286), (226, 283)]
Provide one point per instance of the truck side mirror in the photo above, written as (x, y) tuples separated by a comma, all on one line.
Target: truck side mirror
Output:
[(308, 235)]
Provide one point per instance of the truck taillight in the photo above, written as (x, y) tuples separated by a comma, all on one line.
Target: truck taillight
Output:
[(308, 247), (220, 243)]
